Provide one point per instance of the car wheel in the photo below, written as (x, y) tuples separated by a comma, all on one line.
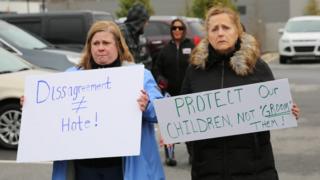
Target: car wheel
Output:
[(10, 120), (283, 60)]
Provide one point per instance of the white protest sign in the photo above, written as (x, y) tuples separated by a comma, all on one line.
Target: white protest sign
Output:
[(83, 114), (225, 112)]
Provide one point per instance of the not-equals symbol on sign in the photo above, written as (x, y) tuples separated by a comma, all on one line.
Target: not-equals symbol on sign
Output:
[(79, 105)]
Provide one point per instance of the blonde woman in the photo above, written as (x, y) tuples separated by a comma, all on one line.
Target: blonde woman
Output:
[(229, 57)]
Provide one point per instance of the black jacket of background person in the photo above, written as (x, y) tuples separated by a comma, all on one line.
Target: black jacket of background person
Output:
[(239, 157), (172, 63), (132, 29)]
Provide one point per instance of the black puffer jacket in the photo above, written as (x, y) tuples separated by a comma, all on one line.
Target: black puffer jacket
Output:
[(172, 63), (240, 157)]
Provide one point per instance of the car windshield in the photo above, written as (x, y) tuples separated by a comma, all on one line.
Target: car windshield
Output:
[(19, 37), (11, 63), (303, 26), (98, 17), (157, 29), (197, 28)]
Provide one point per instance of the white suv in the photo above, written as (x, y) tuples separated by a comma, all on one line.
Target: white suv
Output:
[(300, 39)]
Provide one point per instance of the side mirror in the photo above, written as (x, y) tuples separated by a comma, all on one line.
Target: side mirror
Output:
[(281, 31)]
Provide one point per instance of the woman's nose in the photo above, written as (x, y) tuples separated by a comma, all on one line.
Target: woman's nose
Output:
[(101, 47), (220, 31)]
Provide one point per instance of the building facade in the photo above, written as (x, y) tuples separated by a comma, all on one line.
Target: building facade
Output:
[(12, 6), (161, 7)]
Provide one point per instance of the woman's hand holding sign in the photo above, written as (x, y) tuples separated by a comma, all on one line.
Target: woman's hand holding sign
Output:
[(143, 100), (295, 110)]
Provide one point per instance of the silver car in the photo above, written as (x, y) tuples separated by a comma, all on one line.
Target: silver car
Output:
[(35, 50), (13, 71)]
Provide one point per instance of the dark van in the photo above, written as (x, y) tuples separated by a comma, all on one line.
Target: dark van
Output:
[(66, 30)]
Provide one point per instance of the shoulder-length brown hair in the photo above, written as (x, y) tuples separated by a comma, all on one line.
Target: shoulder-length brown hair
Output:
[(111, 27), (183, 25)]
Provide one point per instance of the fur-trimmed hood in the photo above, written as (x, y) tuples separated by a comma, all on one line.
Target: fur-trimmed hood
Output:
[(243, 60)]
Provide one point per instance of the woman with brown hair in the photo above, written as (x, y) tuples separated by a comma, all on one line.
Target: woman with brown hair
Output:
[(106, 48), (171, 65)]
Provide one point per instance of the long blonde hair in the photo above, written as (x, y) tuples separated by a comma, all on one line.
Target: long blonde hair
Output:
[(111, 27)]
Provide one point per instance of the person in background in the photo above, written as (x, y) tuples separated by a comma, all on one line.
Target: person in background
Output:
[(133, 29), (228, 57), (171, 65), (106, 48)]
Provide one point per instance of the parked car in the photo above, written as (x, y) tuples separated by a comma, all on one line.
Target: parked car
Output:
[(157, 31), (34, 50), (300, 39), (13, 71), (66, 30)]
